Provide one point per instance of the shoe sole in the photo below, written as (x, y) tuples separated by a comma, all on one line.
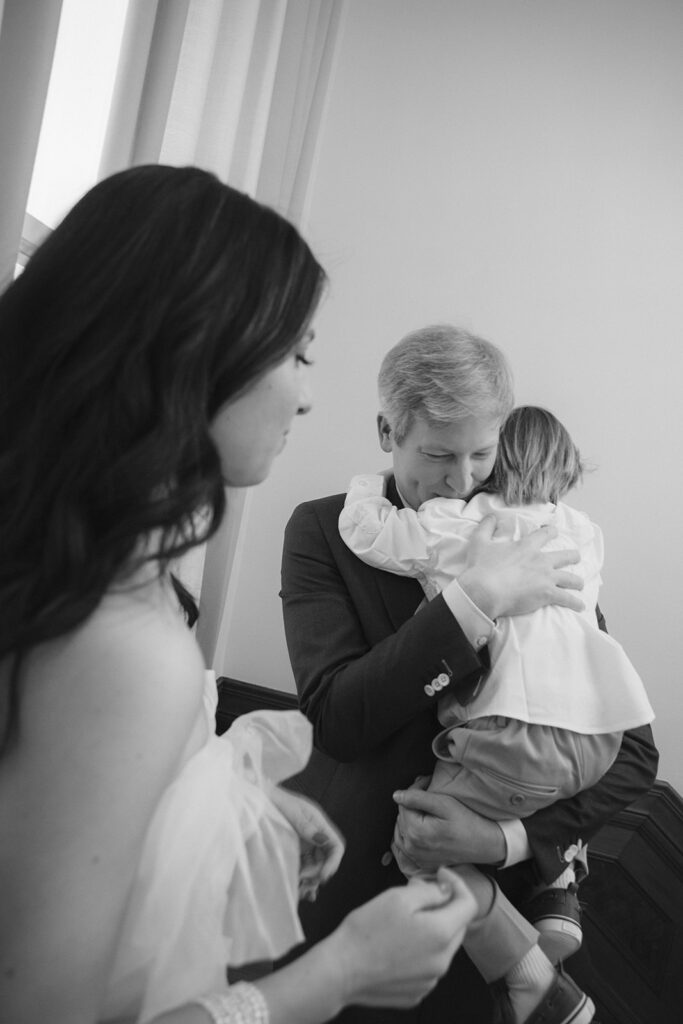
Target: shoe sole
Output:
[(582, 1014), (558, 939)]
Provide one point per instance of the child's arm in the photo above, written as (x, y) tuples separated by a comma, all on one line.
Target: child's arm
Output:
[(381, 534)]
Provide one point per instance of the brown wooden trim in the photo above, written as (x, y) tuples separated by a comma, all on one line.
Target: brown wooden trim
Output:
[(235, 698), (633, 913)]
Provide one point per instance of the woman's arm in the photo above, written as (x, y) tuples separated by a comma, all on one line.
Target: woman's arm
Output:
[(389, 952), (77, 792)]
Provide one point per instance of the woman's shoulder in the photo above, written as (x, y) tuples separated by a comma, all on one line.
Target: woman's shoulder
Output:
[(107, 716), (133, 658)]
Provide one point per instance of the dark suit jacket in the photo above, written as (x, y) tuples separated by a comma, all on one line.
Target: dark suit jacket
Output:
[(361, 659)]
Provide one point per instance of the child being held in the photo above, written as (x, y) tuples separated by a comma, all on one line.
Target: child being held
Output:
[(547, 720)]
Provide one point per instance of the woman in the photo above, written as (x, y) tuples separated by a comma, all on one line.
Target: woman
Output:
[(153, 351)]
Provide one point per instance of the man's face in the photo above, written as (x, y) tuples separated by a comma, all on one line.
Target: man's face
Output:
[(441, 462)]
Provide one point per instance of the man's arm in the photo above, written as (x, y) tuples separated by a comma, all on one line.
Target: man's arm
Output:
[(435, 829), (431, 831), (365, 665), (360, 672), (552, 830)]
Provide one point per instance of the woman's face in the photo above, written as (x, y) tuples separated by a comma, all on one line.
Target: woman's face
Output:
[(252, 429)]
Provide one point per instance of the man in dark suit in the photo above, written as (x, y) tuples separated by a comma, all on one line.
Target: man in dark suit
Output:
[(369, 670)]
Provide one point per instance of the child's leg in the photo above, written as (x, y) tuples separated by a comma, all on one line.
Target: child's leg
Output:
[(504, 947), (555, 911), (499, 937), (503, 768)]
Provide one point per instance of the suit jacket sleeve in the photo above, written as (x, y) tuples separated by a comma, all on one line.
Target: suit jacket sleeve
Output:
[(360, 666)]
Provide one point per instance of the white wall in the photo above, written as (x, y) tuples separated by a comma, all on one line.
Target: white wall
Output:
[(515, 167)]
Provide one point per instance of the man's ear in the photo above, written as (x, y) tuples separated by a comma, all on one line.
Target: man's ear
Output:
[(386, 441)]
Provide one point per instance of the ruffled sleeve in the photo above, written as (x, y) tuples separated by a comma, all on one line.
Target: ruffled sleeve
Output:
[(217, 881)]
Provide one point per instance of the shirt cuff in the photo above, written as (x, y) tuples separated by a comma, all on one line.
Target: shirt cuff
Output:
[(477, 627), (516, 840)]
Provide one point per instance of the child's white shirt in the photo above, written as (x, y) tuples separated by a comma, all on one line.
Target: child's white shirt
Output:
[(551, 667)]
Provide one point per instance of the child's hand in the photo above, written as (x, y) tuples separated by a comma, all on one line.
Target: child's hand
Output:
[(321, 845)]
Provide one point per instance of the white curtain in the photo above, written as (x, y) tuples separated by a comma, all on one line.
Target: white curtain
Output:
[(237, 87), (28, 34), (234, 86)]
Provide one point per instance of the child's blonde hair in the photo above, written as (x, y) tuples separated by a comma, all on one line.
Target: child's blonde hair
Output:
[(537, 460)]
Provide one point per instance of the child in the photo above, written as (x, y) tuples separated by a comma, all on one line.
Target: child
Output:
[(548, 719)]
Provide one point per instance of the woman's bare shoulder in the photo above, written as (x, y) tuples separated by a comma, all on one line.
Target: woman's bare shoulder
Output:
[(133, 658), (107, 715)]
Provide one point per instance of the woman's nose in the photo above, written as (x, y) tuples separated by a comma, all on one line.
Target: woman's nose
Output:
[(305, 400)]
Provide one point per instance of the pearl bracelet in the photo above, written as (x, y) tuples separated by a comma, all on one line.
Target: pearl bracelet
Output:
[(243, 1003)]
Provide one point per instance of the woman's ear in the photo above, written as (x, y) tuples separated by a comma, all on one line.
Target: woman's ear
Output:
[(384, 431)]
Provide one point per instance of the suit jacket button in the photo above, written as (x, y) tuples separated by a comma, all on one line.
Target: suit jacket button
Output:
[(517, 799), (443, 679), (429, 690)]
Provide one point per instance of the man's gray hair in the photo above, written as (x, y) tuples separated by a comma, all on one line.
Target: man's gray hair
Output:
[(443, 374)]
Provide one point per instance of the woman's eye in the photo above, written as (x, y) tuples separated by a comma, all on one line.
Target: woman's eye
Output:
[(304, 360)]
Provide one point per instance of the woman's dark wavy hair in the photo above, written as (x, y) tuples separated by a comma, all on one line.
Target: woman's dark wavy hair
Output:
[(161, 296)]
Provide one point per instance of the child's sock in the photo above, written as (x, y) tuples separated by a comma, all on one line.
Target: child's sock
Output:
[(567, 878), (563, 881), (528, 981)]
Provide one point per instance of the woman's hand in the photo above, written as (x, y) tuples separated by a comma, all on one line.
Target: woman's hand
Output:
[(432, 829), (393, 950), (321, 845), (505, 577)]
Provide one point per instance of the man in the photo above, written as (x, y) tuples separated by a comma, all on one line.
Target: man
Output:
[(369, 670)]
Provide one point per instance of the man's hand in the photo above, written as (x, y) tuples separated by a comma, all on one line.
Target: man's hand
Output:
[(504, 577), (433, 829)]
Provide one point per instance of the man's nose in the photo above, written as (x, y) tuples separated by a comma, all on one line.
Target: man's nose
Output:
[(460, 480)]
